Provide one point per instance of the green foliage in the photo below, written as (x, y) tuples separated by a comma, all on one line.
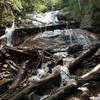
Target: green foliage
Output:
[(73, 5), (54, 4), (6, 9), (96, 3), (81, 6), (39, 7), (7, 19), (16, 4)]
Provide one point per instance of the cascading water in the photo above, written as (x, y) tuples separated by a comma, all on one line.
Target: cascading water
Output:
[(70, 36), (46, 18), (79, 36), (8, 35)]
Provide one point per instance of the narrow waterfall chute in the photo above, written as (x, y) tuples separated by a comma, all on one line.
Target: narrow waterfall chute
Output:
[(8, 35)]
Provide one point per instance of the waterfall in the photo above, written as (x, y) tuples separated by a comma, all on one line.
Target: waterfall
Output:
[(8, 34)]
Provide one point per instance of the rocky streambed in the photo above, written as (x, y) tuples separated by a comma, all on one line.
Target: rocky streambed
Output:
[(50, 62)]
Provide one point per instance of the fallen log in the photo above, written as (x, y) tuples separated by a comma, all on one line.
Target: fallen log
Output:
[(82, 57), (17, 51), (67, 90), (34, 86), (19, 54)]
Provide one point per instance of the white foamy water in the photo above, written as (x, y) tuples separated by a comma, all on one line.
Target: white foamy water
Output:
[(8, 35), (46, 18)]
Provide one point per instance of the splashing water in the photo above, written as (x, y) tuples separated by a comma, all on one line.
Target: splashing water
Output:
[(8, 34), (70, 35)]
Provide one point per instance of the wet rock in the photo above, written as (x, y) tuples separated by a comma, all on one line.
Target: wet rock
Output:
[(61, 43), (61, 39)]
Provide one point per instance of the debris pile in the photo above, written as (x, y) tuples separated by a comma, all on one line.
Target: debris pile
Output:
[(51, 67)]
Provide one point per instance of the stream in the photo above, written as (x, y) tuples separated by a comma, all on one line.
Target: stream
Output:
[(52, 47)]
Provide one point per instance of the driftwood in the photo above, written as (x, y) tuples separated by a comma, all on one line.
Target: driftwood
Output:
[(67, 90), (34, 86), (82, 57), (17, 51), (23, 70), (21, 73), (19, 54)]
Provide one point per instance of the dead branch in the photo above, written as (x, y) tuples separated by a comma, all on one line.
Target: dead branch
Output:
[(82, 57)]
